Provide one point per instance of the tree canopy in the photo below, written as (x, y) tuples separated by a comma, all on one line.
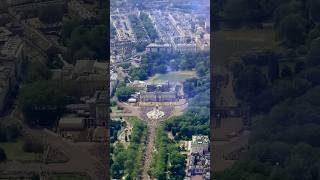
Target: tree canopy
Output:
[(124, 93), (282, 90), (42, 102), (126, 162), (51, 14), (85, 39)]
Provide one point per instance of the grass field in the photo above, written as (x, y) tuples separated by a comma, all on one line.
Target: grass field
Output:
[(228, 43), (14, 151), (173, 76)]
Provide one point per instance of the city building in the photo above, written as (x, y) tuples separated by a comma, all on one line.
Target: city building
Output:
[(200, 144), (88, 118), (71, 123), (156, 48), (184, 44), (29, 8), (78, 10), (49, 29), (198, 162), (160, 92), (89, 75), (158, 97), (12, 59), (138, 84), (113, 82), (99, 134), (98, 105), (91, 107)]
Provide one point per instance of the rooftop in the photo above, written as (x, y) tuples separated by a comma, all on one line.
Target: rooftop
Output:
[(4, 32), (200, 139), (158, 45), (12, 46), (83, 66), (71, 120)]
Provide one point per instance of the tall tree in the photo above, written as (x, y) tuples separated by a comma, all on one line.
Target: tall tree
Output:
[(51, 14)]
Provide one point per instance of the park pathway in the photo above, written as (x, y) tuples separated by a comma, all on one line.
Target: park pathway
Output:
[(152, 126)]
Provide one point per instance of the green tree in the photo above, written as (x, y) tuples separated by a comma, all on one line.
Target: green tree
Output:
[(284, 9), (286, 71), (162, 69), (127, 161), (138, 73), (271, 152), (314, 53), (313, 9), (124, 93), (85, 39), (43, 102), (84, 53), (292, 30), (10, 133), (37, 71), (273, 69), (3, 155), (178, 164), (236, 10), (314, 33), (312, 75), (149, 26), (185, 64), (299, 66), (35, 177), (174, 65), (250, 83), (283, 89), (201, 69), (303, 162), (51, 14), (278, 173), (98, 41), (68, 26)]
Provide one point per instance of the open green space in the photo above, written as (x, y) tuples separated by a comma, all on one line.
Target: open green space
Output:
[(14, 152), (228, 43), (173, 76)]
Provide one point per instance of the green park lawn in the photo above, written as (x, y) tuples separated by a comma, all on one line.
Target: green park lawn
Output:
[(173, 76), (14, 151), (227, 43)]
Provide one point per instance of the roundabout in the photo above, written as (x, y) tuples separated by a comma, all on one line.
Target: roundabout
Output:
[(155, 114)]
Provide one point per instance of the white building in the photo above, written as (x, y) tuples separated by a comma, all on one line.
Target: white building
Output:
[(158, 48), (200, 144)]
